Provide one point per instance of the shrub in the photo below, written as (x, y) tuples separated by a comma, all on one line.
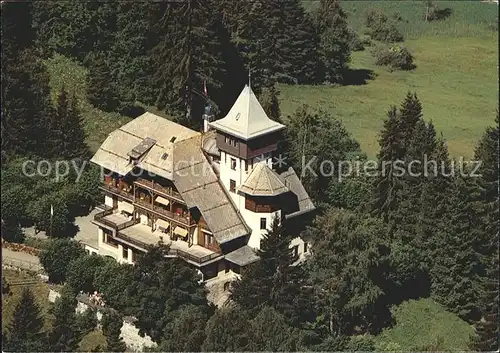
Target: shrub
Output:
[(86, 321), (380, 28), (354, 41), (387, 32), (394, 57), (57, 257)]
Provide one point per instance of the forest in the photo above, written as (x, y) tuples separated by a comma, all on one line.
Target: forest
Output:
[(398, 263)]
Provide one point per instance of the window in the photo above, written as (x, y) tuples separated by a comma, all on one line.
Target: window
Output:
[(172, 140), (233, 164), (246, 166), (125, 253), (234, 143), (232, 186), (227, 286), (226, 140), (295, 250), (305, 246), (263, 224)]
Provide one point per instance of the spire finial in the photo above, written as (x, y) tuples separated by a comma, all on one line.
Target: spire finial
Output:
[(249, 76)]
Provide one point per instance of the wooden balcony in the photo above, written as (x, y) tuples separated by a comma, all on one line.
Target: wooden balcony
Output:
[(146, 204), (160, 189), (128, 195)]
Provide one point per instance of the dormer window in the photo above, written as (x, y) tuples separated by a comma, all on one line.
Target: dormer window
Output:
[(172, 140)]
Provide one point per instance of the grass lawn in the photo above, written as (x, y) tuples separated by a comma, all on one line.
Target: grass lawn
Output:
[(93, 339), (455, 79), (97, 124), (40, 291), (424, 325)]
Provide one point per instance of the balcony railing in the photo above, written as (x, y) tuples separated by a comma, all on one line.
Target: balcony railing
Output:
[(162, 211), (187, 256), (117, 191), (101, 218), (159, 188), (172, 252)]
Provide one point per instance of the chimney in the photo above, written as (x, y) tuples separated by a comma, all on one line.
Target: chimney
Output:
[(208, 117)]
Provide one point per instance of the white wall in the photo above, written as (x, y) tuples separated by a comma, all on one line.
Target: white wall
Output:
[(108, 201)]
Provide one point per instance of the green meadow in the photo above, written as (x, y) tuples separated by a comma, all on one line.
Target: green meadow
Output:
[(456, 77)]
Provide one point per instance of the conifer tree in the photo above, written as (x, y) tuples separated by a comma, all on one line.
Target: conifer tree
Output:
[(270, 102), (129, 57), (487, 153), (227, 330), (111, 328), (297, 47), (25, 331), (70, 127), (273, 281), (26, 105), (101, 90), (331, 22), (186, 56), (457, 263), (391, 150), (65, 335)]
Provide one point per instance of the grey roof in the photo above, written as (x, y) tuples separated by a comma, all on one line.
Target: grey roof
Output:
[(199, 186), (292, 181), (139, 135), (262, 181), (242, 256), (210, 143), (247, 119)]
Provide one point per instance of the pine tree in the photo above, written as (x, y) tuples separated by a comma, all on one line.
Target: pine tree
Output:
[(129, 57), (297, 47), (274, 281), (65, 335), (101, 90), (391, 150), (26, 105), (457, 263), (270, 102), (331, 22), (25, 330), (187, 54), (73, 142), (410, 114), (111, 328), (487, 153)]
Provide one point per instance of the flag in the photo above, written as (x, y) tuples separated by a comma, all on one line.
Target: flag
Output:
[(51, 210), (205, 87)]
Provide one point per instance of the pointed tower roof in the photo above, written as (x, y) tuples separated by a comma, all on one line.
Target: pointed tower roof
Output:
[(262, 181), (247, 119)]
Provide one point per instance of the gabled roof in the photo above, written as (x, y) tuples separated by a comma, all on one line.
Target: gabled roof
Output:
[(292, 181), (262, 181), (149, 138), (242, 256), (247, 119), (199, 186)]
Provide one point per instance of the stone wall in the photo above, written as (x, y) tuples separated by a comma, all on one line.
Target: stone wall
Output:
[(129, 332)]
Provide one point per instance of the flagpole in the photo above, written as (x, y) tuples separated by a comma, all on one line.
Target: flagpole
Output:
[(51, 214)]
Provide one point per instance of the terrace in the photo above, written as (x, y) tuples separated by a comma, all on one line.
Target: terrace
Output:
[(113, 219), (141, 236)]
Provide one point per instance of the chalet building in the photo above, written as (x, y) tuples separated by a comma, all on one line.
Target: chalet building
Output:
[(210, 196)]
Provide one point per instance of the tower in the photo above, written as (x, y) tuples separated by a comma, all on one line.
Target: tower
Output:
[(248, 140)]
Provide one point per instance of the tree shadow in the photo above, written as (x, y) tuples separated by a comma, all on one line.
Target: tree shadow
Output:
[(441, 14), (358, 77)]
